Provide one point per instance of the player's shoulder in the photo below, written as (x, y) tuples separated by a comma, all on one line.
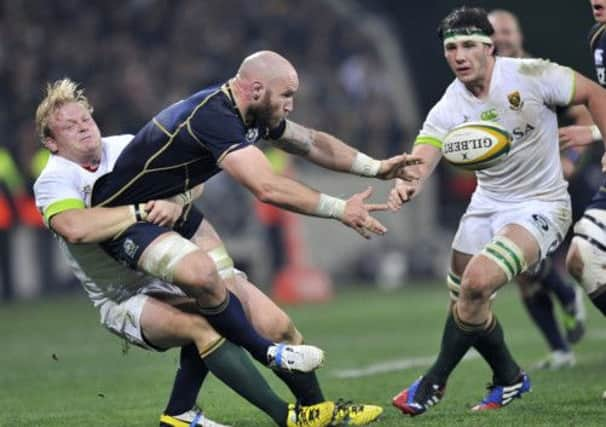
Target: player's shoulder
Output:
[(212, 99), (117, 139), (114, 144), (595, 33), (529, 67), (57, 168)]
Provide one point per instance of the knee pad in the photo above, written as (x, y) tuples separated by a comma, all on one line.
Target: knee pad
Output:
[(223, 262), (160, 259), (590, 243), (593, 271), (507, 255)]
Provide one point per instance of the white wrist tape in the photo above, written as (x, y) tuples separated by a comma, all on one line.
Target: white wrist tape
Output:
[(330, 207), (138, 211), (596, 135), (365, 165)]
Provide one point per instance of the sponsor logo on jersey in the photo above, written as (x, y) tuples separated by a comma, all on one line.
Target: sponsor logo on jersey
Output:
[(515, 101), (489, 115), (521, 131), (252, 134)]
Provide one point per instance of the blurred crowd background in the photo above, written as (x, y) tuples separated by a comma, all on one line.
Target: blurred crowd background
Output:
[(135, 57)]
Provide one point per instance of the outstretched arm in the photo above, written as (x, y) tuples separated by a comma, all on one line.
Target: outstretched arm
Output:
[(330, 152), (402, 191), (82, 225), (250, 167), (93, 225)]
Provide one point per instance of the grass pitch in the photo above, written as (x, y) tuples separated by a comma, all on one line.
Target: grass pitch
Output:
[(58, 367)]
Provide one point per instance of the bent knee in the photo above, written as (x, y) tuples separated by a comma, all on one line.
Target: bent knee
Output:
[(476, 287), (198, 270)]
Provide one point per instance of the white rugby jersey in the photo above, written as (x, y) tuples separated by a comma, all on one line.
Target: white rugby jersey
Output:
[(64, 185), (522, 98)]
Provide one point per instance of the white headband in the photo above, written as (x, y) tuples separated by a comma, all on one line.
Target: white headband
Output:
[(482, 38)]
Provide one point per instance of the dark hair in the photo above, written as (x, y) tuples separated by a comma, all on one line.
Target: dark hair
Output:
[(466, 17)]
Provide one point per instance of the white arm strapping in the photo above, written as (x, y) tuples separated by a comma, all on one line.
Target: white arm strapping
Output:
[(330, 207), (364, 165)]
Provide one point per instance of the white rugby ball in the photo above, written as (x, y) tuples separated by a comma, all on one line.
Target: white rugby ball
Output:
[(476, 145)]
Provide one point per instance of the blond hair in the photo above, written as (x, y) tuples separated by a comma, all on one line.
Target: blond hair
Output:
[(59, 93)]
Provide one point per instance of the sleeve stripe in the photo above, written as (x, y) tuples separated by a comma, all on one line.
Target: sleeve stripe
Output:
[(429, 140), (60, 206)]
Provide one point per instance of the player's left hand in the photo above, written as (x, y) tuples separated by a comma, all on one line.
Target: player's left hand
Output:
[(163, 212), (357, 215), (574, 136), (396, 167)]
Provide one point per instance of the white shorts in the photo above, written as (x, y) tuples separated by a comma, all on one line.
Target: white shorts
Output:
[(124, 318), (548, 222)]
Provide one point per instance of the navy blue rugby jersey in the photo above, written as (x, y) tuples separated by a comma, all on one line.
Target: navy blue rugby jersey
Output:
[(597, 43), (179, 148)]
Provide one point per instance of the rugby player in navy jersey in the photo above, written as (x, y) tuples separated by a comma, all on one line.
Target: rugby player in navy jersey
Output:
[(214, 130), (586, 258), (538, 286)]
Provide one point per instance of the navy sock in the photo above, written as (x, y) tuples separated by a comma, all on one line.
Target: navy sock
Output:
[(540, 308), (230, 321), (189, 378), (555, 283)]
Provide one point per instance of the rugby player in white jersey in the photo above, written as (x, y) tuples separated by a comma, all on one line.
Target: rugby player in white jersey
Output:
[(520, 210), (145, 311)]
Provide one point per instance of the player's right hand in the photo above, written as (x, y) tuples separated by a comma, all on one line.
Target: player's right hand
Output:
[(401, 193), (574, 136), (356, 215), (163, 212)]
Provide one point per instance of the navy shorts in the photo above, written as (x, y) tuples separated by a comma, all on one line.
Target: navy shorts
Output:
[(128, 247)]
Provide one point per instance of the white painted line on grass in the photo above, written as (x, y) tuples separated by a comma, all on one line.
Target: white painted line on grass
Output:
[(420, 362), (393, 365)]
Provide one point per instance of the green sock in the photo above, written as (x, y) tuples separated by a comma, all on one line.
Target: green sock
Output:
[(491, 345), (304, 385), (233, 367), (458, 337)]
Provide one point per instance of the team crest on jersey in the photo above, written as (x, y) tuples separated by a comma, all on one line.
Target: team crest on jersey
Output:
[(515, 101), (252, 134), (130, 248)]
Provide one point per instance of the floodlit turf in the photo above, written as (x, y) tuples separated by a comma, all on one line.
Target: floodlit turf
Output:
[(58, 367)]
